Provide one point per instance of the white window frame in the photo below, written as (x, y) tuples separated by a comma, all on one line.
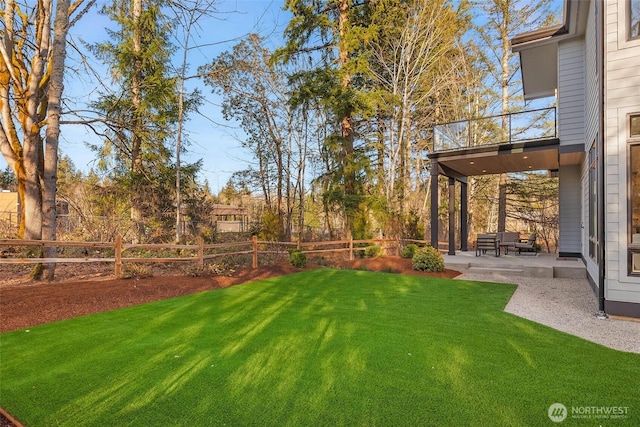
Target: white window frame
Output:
[(633, 248), (624, 21), (628, 20)]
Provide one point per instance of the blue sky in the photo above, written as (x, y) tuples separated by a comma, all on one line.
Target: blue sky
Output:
[(212, 139)]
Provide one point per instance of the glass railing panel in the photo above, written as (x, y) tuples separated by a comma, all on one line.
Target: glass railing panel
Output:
[(521, 126)]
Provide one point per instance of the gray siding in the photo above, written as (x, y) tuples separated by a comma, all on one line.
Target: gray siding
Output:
[(593, 120), (622, 97), (592, 105), (571, 130), (571, 92), (570, 211)]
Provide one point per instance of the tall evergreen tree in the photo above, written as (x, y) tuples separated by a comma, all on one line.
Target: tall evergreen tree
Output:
[(332, 34), (142, 110)]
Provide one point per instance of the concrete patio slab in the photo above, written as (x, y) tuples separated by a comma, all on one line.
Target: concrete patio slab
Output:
[(540, 265)]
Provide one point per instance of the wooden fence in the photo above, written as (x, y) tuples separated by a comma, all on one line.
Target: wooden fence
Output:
[(198, 253)]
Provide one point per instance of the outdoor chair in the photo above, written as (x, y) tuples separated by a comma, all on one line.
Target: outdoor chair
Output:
[(485, 242), (528, 244), (508, 240)]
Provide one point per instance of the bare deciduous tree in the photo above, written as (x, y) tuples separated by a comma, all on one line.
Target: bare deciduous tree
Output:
[(33, 50), (418, 58)]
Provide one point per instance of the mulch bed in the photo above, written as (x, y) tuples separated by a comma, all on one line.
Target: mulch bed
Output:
[(25, 304)]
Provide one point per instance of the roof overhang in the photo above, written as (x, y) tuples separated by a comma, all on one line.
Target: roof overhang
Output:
[(222, 210), (538, 50), (539, 67), (500, 158)]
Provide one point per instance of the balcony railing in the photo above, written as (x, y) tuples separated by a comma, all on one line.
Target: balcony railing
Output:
[(529, 125)]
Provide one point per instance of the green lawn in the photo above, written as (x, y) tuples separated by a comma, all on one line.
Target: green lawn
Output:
[(323, 347)]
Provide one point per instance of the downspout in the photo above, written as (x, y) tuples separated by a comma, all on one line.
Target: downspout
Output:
[(601, 164)]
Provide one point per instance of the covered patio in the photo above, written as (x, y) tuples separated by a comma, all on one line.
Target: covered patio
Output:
[(492, 145)]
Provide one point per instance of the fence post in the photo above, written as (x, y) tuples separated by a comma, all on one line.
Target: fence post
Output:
[(200, 251), (299, 242), (350, 248), (254, 242), (118, 248)]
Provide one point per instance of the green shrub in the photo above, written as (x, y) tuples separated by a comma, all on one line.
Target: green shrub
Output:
[(414, 227), (372, 251), (428, 259), (297, 258), (409, 250), (271, 229)]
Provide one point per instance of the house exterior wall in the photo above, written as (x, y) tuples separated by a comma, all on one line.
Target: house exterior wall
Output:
[(581, 116), (598, 86), (571, 131), (570, 209), (622, 97), (571, 92), (593, 116)]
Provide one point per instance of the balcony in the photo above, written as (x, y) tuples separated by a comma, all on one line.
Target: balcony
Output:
[(532, 125), (515, 142)]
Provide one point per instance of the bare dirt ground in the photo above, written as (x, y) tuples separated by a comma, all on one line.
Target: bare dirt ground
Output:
[(80, 290)]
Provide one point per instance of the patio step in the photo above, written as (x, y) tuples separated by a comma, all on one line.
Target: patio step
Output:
[(507, 271), (573, 272), (540, 266)]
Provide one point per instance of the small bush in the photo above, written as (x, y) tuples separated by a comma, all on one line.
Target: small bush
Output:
[(297, 258), (321, 260), (409, 250), (195, 270), (208, 233), (428, 259), (136, 271), (372, 251)]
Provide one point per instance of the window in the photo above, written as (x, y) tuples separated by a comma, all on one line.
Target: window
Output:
[(634, 126), (593, 202), (634, 19), (634, 194)]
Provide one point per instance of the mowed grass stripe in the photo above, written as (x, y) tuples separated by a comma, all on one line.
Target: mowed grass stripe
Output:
[(323, 347)]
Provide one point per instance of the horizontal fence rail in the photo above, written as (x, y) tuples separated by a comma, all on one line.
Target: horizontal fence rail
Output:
[(117, 252)]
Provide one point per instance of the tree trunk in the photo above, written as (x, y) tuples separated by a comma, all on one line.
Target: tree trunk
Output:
[(301, 170), (9, 139), (502, 191), (30, 92), (58, 55), (32, 146), (8, 134), (136, 99), (178, 148), (346, 123), (32, 190)]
